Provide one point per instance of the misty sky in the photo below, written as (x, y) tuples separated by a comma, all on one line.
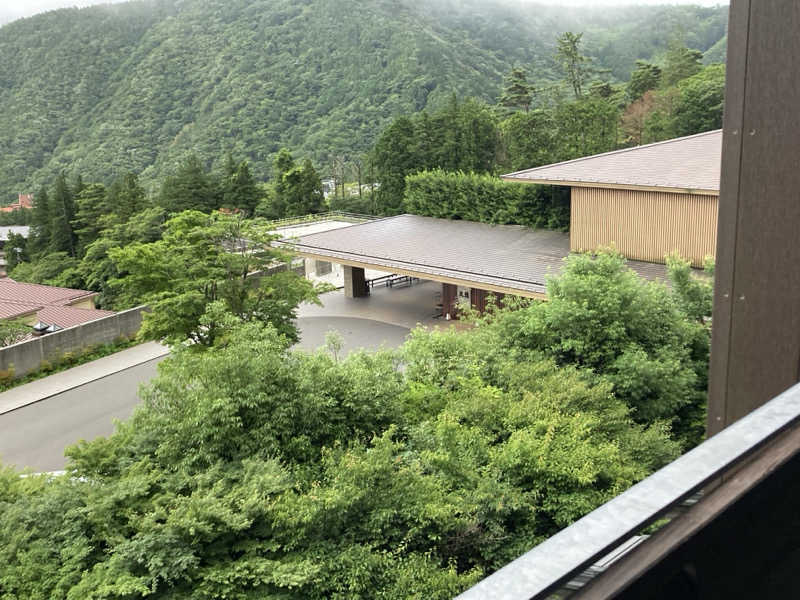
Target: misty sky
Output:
[(14, 9)]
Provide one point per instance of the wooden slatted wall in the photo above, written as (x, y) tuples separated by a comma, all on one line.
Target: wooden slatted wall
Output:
[(644, 225)]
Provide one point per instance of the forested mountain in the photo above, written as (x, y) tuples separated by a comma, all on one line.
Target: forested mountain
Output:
[(136, 86)]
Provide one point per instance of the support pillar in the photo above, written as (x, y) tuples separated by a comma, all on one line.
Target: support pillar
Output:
[(755, 350), (355, 282)]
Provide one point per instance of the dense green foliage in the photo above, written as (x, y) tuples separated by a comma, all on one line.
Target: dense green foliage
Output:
[(649, 341), (204, 269), (136, 87), (254, 472), (473, 197), (251, 471)]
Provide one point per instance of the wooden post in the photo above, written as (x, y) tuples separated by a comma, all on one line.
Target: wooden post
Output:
[(756, 329), (355, 283)]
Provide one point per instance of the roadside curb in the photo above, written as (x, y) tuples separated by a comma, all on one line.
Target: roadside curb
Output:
[(58, 383)]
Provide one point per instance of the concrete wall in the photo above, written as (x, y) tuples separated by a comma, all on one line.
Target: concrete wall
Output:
[(26, 357), (644, 225)]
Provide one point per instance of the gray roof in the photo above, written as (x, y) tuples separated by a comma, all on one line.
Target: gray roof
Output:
[(505, 256), (683, 164)]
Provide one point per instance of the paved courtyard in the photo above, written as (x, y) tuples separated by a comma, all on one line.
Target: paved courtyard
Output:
[(384, 318)]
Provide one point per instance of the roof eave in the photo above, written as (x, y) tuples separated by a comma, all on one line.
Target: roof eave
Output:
[(613, 186)]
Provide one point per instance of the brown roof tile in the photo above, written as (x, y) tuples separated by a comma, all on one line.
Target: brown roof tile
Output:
[(687, 163), (69, 316), (15, 291)]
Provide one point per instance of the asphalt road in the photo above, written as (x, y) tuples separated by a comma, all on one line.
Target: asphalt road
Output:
[(35, 436)]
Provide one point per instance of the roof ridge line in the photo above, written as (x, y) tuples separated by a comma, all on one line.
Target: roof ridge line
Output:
[(619, 151)]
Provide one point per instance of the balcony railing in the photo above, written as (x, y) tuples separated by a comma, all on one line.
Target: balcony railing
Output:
[(563, 563)]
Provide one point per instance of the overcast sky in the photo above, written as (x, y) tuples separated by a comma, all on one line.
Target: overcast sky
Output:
[(14, 9)]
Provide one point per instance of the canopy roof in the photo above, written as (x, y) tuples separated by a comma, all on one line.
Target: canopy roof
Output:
[(502, 258)]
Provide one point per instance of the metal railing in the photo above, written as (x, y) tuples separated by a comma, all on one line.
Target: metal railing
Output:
[(334, 215), (567, 555)]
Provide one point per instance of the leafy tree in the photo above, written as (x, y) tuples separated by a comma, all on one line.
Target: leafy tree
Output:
[(56, 268), (573, 64), (203, 261), (604, 317), (310, 477), (16, 250), (701, 101), (297, 189), (518, 93), (97, 269), (645, 77), (13, 331)]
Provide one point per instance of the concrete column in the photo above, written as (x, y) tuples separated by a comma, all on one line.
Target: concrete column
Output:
[(355, 283)]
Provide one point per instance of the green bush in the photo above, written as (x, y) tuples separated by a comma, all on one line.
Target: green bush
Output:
[(487, 199)]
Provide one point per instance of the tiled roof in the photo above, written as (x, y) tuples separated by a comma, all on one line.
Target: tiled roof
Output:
[(69, 316), (506, 256), (10, 310), (687, 163), (15, 291)]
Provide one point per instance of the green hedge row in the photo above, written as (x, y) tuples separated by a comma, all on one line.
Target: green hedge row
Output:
[(487, 199)]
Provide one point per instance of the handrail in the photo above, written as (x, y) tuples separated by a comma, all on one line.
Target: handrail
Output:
[(326, 216), (541, 571)]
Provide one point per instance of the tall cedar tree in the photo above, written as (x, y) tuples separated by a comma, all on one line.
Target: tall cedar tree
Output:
[(191, 188), (62, 213), (40, 224), (518, 93), (91, 210)]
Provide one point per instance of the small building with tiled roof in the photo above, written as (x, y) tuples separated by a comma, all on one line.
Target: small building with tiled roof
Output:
[(50, 305), (647, 201)]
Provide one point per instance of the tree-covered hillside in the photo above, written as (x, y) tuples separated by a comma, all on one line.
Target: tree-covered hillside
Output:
[(136, 86)]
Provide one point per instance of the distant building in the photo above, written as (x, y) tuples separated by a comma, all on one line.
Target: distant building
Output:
[(47, 306), (647, 201), (23, 201)]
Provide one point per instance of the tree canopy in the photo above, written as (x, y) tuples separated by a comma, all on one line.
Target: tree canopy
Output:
[(254, 471)]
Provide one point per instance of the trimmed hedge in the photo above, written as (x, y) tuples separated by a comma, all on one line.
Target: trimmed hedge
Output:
[(487, 199)]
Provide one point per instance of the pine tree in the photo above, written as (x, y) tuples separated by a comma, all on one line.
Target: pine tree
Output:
[(574, 64)]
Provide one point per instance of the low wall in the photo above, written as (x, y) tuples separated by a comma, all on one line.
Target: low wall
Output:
[(28, 356)]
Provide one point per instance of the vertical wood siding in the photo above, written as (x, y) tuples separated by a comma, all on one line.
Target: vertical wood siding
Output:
[(644, 225)]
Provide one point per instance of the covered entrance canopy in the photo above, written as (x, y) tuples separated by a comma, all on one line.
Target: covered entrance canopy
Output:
[(506, 259)]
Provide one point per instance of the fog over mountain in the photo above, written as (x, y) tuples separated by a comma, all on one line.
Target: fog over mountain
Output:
[(16, 9)]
